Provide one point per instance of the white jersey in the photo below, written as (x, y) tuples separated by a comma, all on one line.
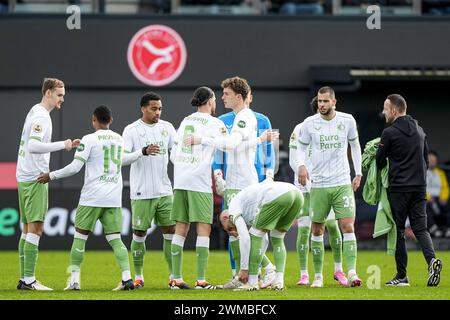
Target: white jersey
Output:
[(101, 151), (148, 175), (329, 142), (192, 163), (241, 171), (248, 202), (38, 125), (294, 143)]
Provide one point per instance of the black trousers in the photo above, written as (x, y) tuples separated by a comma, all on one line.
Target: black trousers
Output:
[(412, 205)]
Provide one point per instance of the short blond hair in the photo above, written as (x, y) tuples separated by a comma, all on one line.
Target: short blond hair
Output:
[(51, 84)]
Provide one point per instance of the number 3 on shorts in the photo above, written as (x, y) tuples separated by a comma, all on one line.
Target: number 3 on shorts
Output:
[(349, 202)]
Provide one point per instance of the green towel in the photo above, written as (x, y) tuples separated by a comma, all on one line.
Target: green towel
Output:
[(375, 192)]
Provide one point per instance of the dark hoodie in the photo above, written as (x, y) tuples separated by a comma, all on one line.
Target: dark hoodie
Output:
[(404, 144)]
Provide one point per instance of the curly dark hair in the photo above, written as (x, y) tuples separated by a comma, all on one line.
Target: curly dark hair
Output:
[(238, 85)]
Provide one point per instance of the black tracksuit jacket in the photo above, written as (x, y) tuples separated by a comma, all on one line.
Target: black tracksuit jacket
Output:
[(404, 144)]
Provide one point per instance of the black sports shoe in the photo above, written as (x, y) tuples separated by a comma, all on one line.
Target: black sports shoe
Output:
[(20, 285), (125, 285), (434, 272), (398, 282), (204, 285), (35, 285)]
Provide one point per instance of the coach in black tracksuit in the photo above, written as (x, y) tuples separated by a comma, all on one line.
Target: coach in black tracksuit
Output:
[(404, 144)]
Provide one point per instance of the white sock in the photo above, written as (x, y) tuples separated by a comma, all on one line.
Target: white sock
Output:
[(303, 272), (139, 277), (33, 238), (29, 280), (318, 275), (351, 272), (75, 277), (126, 275), (253, 280), (178, 240), (280, 278), (337, 266)]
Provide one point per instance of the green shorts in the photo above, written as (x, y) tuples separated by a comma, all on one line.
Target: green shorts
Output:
[(228, 195), (191, 206), (33, 201), (280, 213), (145, 210), (305, 210), (111, 218), (340, 198)]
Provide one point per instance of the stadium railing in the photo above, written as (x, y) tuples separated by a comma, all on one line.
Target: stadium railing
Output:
[(232, 7)]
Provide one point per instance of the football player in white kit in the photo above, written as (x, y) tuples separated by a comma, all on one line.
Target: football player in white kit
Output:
[(267, 206), (329, 133), (34, 158), (150, 187), (101, 195), (304, 219)]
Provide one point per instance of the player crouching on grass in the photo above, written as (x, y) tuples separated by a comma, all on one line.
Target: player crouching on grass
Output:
[(101, 195), (266, 206)]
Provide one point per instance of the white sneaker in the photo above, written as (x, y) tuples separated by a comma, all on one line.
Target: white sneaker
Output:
[(72, 286), (277, 287), (247, 287), (36, 285), (269, 279), (354, 281), (233, 284), (317, 283)]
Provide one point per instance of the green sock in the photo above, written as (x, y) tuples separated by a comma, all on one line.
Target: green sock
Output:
[(335, 239), (138, 254), (202, 262), (350, 254), (167, 247), (121, 254), (279, 253), (236, 254), (317, 250), (176, 252), (265, 261), (77, 252), (30, 252), (303, 247), (21, 256), (255, 254)]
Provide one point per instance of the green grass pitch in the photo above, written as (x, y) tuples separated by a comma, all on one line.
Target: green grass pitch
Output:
[(100, 274)]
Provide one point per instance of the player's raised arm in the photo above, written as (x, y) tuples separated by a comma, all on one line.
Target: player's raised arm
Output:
[(79, 159)]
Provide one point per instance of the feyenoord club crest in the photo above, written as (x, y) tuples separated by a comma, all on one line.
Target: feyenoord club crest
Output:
[(156, 55)]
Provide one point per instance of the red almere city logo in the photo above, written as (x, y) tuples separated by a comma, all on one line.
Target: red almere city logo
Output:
[(156, 55)]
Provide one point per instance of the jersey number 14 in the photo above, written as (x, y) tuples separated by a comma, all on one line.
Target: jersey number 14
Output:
[(110, 154)]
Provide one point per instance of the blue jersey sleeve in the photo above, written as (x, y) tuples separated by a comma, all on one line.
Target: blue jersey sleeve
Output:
[(265, 153), (218, 160)]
